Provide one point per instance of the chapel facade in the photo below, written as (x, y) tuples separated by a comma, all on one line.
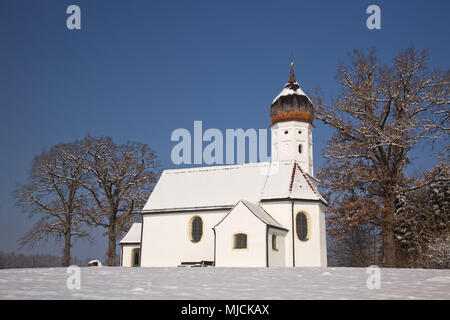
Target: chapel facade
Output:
[(265, 214)]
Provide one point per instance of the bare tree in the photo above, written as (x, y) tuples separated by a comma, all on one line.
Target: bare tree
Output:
[(54, 194), (380, 115), (121, 177), (358, 249)]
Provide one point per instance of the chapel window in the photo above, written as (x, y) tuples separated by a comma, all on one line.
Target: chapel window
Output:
[(274, 242), (301, 223), (196, 229), (240, 241), (135, 257)]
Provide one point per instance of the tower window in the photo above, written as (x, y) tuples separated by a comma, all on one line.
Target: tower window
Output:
[(299, 131), (300, 148), (274, 242), (196, 229), (286, 132), (240, 241), (301, 224)]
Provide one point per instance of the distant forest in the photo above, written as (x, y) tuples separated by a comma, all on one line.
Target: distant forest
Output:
[(12, 260)]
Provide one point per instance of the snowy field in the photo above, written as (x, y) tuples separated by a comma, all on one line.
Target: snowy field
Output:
[(224, 283)]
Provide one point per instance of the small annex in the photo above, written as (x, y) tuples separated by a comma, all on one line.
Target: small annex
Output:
[(131, 246), (239, 245)]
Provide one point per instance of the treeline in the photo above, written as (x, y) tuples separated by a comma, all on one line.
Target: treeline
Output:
[(14, 260)]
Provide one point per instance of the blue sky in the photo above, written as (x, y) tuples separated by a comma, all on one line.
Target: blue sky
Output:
[(137, 70)]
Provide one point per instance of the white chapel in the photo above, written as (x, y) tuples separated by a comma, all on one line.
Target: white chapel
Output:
[(266, 214)]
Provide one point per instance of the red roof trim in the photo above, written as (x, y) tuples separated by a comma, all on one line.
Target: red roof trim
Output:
[(252, 213), (307, 180)]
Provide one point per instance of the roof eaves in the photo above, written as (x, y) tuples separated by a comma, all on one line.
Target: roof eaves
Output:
[(182, 209), (270, 224)]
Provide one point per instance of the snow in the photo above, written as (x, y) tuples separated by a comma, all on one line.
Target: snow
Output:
[(288, 91), (262, 214), (224, 186), (95, 263), (133, 235), (224, 283)]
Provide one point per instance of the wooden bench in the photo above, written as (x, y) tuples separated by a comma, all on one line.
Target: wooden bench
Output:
[(203, 263)]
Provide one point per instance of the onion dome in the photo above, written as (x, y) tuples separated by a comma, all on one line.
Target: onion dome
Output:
[(292, 103)]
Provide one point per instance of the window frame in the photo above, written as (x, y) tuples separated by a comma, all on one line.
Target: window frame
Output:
[(133, 256), (307, 225), (190, 229), (234, 242), (275, 244)]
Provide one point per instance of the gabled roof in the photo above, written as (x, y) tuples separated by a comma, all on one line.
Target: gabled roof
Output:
[(218, 187), (133, 235), (259, 212)]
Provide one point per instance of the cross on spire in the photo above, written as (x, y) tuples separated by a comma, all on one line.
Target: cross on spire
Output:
[(292, 76)]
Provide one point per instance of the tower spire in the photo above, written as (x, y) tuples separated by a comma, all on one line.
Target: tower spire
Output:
[(292, 76)]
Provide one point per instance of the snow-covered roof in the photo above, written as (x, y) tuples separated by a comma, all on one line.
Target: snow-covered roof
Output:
[(133, 235), (289, 90), (223, 186), (262, 214), (258, 211)]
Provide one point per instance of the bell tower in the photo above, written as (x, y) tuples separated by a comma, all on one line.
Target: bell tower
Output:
[(292, 114)]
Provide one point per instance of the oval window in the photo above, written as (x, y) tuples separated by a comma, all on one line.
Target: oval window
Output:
[(196, 229), (301, 223)]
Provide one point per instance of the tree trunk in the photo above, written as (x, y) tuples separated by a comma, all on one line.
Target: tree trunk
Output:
[(111, 253), (65, 261), (389, 251)]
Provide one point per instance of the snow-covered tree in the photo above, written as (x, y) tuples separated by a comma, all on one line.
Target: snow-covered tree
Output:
[(437, 252), (381, 113), (54, 195), (120, 179), (423, 214)]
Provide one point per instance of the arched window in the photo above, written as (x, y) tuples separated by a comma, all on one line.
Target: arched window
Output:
[(135, 256), (274, 242), (196, 229), (300, 148), (301, 224), (240, 241)]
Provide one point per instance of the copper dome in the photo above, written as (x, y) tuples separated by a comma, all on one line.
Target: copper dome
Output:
[(292, 103)]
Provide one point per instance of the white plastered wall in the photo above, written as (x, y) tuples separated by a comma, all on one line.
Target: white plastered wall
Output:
[(312, 252), (166, 238), (127, 254), (241, 220), (277, 258), (286, 138)]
